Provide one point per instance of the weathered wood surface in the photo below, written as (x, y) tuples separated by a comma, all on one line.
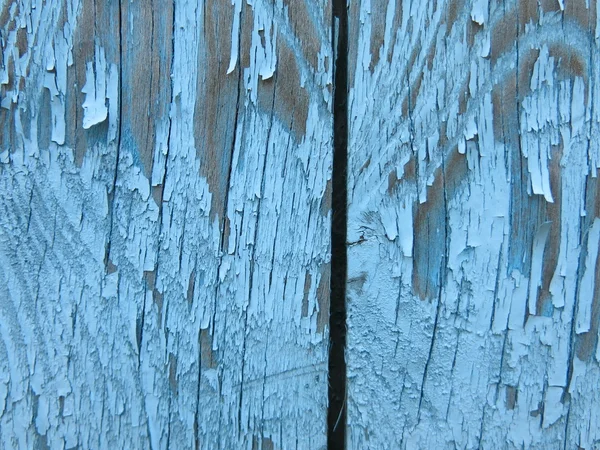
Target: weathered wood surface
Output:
[(164, 224), (474, 224)]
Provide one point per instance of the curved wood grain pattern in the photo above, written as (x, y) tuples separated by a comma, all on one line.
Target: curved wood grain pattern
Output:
[(473, 297), (165, 223)]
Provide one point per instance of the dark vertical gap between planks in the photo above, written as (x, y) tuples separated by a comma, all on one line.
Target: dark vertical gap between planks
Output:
[(336, 415)]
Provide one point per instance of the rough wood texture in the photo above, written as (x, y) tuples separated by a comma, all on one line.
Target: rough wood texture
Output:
[(164, 224), (474, 224)]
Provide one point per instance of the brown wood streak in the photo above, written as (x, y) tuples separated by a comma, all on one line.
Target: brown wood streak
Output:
[(325, 206), (146, 86), (396, 23), (511, 397), (452, 12), (587, 342), (22, 41), (44, 119), (503, 36), (428, 225), (305, 30), (291, 99), (97, 24), (553, 215), (378, 16), (5, 14), (473, 28), (323, 297), (191, 287), (429, 218), (353, 34), (393, 181), (528, 13), (527, 212), (173, 373), (216, 106), (307, 284), (83, 51), (7, 130), (409, 175), (569, 64), (524, 215), (157, 296), (7, 116), (262, 443), (207, 356), (409, 102), (578, 11)]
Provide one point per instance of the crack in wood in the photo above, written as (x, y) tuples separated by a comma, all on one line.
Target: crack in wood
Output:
[(336, 416)]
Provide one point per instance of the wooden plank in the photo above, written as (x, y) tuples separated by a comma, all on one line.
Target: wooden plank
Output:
[(165, 223), (473, 277)]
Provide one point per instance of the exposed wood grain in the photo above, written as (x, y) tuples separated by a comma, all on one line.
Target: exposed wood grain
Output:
[(165, 223), (473, 301)]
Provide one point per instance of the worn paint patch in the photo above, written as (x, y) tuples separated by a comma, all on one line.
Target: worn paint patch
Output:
[(146, 56), (430, 228), (501, 251), (165, 228)]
